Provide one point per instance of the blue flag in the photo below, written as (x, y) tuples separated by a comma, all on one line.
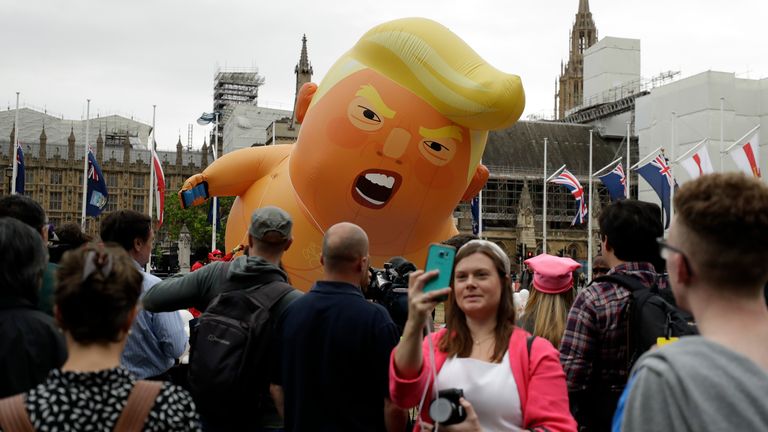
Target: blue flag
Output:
[(657, 173), (97, 188), (474, 207), (211, 213), (20, 170), (615, 182)]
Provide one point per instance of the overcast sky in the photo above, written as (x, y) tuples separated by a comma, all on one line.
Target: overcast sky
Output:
[(128, 55)]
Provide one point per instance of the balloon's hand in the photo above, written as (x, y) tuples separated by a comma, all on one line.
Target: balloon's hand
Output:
[(194, 192)]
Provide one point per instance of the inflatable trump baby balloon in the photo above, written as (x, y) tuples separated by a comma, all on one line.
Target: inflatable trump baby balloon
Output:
[(391, 140)]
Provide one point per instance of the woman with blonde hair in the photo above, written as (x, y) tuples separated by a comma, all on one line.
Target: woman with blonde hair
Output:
[(550, 300), (502, 377)]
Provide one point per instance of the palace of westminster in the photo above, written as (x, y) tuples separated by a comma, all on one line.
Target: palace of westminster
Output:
[(512, 198)]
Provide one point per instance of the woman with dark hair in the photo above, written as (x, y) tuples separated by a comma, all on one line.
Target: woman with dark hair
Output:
[(95, 305), (509, 379)]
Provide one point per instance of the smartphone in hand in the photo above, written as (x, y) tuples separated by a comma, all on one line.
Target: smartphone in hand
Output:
[(440, 257)]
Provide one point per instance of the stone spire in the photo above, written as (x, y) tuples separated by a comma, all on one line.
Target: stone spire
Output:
[(126, 150), (179, 149), (100, 148), (71, 142), (204, 150), (583, 36), (43, 144), (303, 71)]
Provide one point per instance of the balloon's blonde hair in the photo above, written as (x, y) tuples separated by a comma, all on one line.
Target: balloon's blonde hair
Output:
[(432, 62)]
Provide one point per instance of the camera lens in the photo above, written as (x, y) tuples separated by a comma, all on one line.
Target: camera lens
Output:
[(440, 410)]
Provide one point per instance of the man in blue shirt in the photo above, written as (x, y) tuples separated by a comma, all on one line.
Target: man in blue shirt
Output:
[(333, 348), (156, 340)]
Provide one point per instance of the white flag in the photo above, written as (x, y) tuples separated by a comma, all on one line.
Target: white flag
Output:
[(699, 163), (747, 155)]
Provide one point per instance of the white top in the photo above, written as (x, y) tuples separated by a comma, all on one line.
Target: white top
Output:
[(489, 387)]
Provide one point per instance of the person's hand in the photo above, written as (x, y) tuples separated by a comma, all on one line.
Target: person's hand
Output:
[(470, 424), (421, 304)]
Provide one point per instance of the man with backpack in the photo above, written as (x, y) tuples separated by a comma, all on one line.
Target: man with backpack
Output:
[(595, 351), (230, 342), (716, 256)]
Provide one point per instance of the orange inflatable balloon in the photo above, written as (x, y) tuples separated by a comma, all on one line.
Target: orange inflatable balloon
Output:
[(391, 140)]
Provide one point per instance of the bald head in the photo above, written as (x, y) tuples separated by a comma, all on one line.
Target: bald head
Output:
[(344, 246)]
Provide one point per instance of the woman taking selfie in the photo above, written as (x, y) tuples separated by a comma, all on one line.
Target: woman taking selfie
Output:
[(509, 380), (95, 305)]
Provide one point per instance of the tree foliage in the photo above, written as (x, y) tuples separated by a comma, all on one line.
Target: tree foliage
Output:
[(196, 219)]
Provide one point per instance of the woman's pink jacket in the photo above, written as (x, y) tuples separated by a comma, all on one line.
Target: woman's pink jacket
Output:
[(540, 382)]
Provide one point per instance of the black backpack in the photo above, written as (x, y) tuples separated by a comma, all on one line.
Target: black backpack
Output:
[(228, 344), (651, 315)]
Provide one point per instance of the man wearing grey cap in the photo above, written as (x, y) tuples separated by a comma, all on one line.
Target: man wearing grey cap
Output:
[(269, 236)]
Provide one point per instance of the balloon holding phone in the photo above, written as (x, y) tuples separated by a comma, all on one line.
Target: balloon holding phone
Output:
[(440, 257)]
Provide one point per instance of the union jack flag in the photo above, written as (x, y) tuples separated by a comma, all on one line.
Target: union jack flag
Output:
[(616, 183), (662, 164), (572, 184), (92, 173)]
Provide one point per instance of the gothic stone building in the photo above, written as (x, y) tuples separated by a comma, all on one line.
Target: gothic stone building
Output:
[(571, 81), (54, 170)]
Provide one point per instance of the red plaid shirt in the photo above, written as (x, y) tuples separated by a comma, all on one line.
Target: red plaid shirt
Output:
[(594, 346)]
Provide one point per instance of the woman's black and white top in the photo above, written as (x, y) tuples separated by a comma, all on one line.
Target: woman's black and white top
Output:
[(93, 401)]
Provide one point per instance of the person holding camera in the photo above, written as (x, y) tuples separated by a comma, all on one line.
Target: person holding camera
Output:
[(493, 375)]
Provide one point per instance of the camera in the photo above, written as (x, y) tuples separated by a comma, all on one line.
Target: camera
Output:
[(388, 287), (446, 409)]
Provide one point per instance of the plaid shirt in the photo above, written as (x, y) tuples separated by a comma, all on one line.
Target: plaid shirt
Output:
[(594, 346)]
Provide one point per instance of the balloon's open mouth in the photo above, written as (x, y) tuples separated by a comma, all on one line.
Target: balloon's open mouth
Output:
[(374, 188)]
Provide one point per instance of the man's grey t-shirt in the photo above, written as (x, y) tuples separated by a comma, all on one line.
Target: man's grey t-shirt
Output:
[(697, 385)]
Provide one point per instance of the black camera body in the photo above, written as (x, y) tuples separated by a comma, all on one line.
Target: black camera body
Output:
[(447, 409), (388, 287)]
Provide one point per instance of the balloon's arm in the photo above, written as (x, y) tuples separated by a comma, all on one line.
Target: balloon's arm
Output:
[(232, 174), (477, 183)]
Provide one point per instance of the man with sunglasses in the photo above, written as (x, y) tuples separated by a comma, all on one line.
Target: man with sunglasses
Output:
[(716, 256), (594, 350)]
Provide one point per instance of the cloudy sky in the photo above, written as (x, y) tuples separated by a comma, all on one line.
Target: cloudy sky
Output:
[(128, 55)]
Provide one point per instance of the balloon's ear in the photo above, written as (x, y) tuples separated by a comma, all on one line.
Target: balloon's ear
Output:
[(306, 93), (477, 183)]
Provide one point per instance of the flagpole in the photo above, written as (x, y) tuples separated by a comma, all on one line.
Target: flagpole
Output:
[(85, 163), (626, 176), (694, 148), (589, 212), (480, 211), (738, 141), (598, 172), (722, 102), (672, 173), (151, 145), (655, 151), (544, 214), (15, 148), (215, 211)]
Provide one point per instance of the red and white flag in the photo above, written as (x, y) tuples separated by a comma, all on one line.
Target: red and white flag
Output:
[(160, 188), (746, 154), (699, 163)]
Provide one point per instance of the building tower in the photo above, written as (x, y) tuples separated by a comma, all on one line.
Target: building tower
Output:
[(303, 73), (583, 35)]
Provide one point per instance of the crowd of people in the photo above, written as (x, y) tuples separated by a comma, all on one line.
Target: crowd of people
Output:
[(90, 341)]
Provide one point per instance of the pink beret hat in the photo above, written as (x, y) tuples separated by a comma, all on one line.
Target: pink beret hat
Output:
[(551, 274)]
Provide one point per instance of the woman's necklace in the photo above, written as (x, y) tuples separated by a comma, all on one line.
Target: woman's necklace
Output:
[(479, 341)]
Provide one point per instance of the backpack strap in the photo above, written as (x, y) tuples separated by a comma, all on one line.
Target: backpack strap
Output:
[(140, 402), (14, 416)]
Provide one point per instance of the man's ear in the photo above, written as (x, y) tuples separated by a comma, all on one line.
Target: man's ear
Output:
[(478, 181), (137, 244), (303, 99)]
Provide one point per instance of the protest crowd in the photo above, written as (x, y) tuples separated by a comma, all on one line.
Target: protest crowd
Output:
[(668, 336)]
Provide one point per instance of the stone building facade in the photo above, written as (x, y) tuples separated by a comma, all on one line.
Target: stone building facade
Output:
[(54, 172)]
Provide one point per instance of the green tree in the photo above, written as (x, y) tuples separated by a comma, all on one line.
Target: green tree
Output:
[(196, 219)]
